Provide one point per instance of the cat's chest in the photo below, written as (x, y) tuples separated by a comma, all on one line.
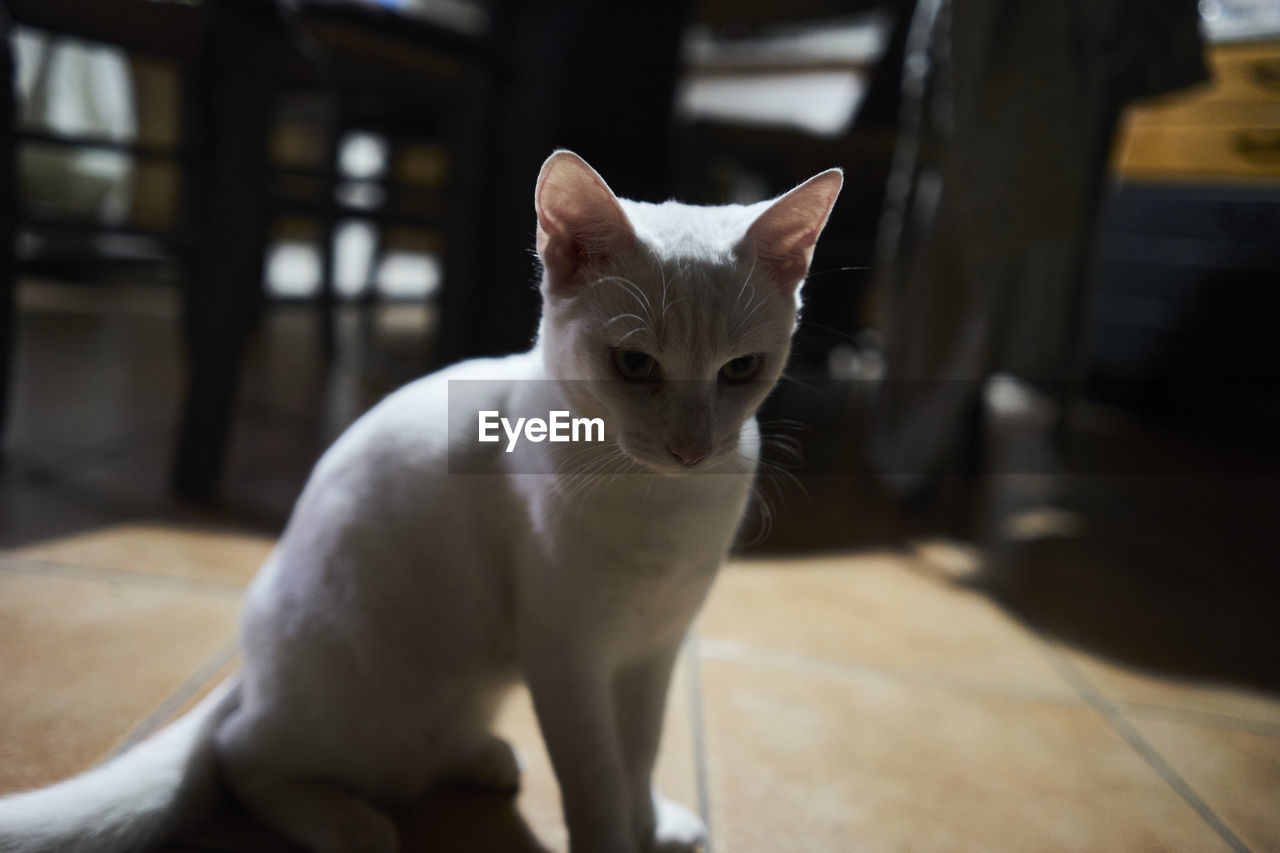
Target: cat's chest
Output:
[(644, 543), (648, 519), (630, 563), (628, 586)]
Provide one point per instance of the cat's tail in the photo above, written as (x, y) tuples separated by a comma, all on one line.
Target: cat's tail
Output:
[(134, 801)]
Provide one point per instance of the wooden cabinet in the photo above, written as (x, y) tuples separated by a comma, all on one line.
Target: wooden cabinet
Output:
[(1227, 129)]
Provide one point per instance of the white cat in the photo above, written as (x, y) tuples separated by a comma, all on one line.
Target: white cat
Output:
[(407, 593)]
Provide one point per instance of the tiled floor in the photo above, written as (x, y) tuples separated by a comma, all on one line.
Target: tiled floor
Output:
[(871, 698)]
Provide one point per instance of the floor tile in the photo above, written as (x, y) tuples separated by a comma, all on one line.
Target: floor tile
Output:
[(84, 661), (207, 554), (1236, 773), (219, 668), (1144, 692), (823, 762), (874, 610)]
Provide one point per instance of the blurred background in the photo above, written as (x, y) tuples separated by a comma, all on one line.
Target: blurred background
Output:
[(1019, 512)]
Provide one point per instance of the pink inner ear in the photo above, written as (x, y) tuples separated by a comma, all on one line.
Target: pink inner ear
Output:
[(787, 249), (561, 255), (783, 237), (579, 217)]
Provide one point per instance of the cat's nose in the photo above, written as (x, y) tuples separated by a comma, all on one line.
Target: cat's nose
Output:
[(688, 454)]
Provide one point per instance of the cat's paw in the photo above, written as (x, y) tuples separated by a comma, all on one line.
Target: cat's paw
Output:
[(678, 830), (491, 765)]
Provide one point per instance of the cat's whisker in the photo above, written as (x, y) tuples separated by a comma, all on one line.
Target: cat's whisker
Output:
[(777, 473), (615, 318), (799, 383), (629, 286), (738, 319), (769, 479), (579, 455), (589, 467), (843, 335), (786, 457), (828, 271), (745, 282), (673, 302), (626, 467), (632, 332), (598, 475), (592, 469), (773, 475), (778, 441), (565, 486), (760, 505), (569, 498), (663, 273), (743, 320)]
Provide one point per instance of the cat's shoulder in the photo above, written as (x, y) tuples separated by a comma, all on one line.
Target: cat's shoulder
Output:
[(412, 424), (425, 401)]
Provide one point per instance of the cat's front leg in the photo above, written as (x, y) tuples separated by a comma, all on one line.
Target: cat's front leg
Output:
[(641, 697), (573, 700)]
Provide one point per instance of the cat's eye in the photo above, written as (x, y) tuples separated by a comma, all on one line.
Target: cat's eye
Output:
[(740, 369), (635, 365)]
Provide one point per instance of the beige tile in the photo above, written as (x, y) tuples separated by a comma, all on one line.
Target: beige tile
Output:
[(220, 556), (874, 610), (810, 761), (85, 661), (539, 800), (677, 773), (215, 676), (1141, 691), (1236, 773)]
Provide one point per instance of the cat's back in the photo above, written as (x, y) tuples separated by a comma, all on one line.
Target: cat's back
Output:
[(412, 428), (391, 469), (382, 500)]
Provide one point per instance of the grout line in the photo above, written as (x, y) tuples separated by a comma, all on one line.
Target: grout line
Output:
[(143, 580), (1123, 727), (741, 653), (1205, 719), (175, 700), (698, 731)]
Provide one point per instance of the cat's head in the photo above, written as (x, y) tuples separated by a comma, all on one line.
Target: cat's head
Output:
[(671, 321)]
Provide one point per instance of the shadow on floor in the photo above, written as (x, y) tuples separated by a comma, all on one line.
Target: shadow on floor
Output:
[(1141, 543), (447, 821)]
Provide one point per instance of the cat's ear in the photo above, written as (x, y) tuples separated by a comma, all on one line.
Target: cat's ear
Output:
[(579, 218), (782, 238)]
